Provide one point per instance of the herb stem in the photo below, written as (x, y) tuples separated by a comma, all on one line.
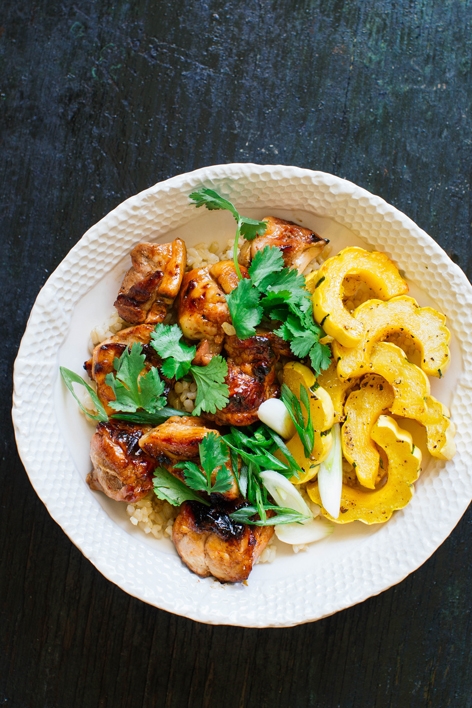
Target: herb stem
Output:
[(235, 250)]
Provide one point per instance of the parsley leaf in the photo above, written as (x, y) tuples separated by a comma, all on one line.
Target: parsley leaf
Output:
[(165, 339), (132, 389), (212, 392), (214, 458), (244, 309), (173, 490)]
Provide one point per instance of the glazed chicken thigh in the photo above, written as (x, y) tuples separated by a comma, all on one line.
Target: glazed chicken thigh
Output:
[(104, 355), (251, 376), (153, 281), (202, 306), (210, 543), (299, 246), (121, 469), (177, 440)]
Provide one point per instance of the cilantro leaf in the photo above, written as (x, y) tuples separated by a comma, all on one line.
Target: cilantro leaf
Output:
[(178, 356), (249, 228), (70, 377), (320, 357), (173, 490), (267, 261), (214, 457), (212, 200), (244, 309), (212, 391), (132, 389)]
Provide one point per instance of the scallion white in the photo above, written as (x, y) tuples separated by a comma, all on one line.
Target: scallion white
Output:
[(275, 415), (330, 476)]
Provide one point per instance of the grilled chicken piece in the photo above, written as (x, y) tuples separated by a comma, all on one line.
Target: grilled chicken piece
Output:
[(120, 467), (202, 306), (210, 543), (251, 377), (105, 353), (153, 281), (177, 440), (299, 246)]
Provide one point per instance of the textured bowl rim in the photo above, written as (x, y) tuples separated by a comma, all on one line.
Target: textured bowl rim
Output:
[(168, 585)]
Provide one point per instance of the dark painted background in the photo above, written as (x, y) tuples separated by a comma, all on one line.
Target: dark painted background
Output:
[(100, 99)]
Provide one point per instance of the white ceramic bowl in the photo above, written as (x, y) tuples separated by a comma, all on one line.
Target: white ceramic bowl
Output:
[(357, 561)]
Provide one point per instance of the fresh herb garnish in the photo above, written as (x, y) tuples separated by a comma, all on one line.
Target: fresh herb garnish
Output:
[(302, 423), (214, 457), (252, 454), (70, 377), (246, 227), (173, 490), (244, 308), (212, 391), (272, 291), (132, 388), (178, 357), (144, 418), (282, 516)]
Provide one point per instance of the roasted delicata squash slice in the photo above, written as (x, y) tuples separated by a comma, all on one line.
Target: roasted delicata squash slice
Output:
[(412, 397), (410, 384), (404, 466), (310, 281), (296, 375), (402, 318), (375, 269), (440, 430), (337, 388), (362, 409)]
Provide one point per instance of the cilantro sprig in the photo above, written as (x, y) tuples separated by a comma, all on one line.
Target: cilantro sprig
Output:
[(212, 391), (134, 389), (246, 227), (278, 293), (272, 291), (214, 457), (173, 490)]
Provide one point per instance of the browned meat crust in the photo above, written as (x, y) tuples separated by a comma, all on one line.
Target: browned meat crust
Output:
[(153, 281), (251, 377), (299, 246), (210, 543), (177, 440), (105, 353), (120, 467), (202, 306)]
